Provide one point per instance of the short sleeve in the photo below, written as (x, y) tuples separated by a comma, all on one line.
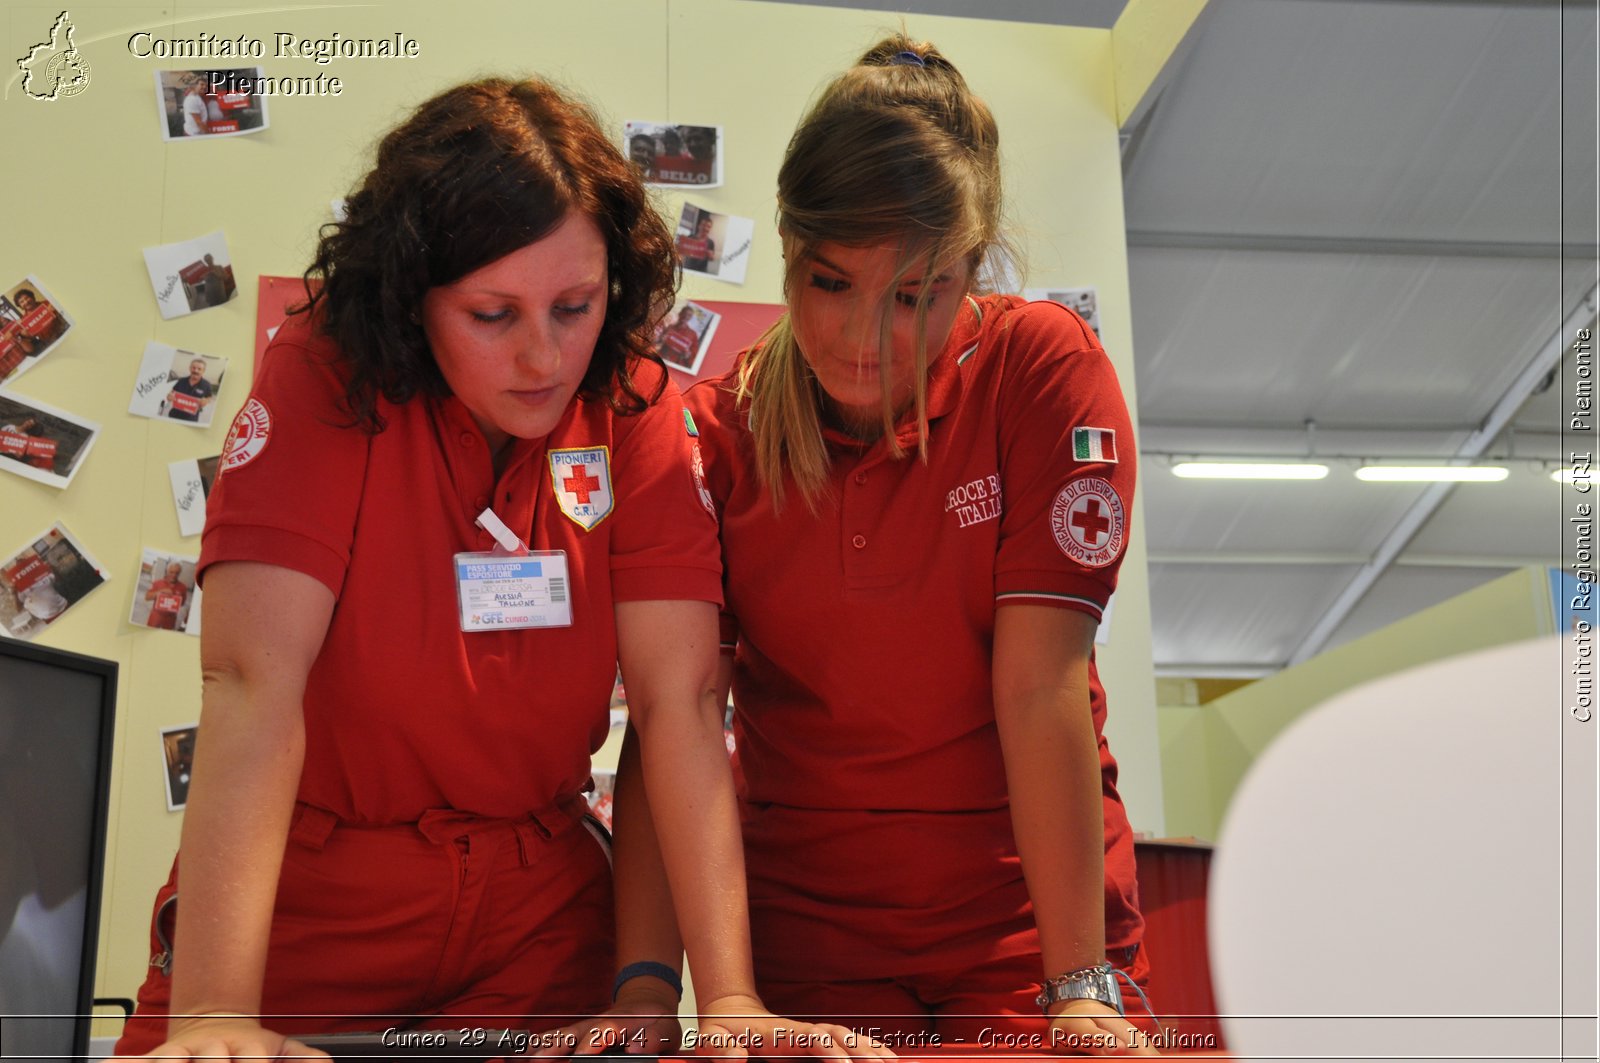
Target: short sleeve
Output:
[(1067, 461), (293, 467), (714, 421), (664, 544)]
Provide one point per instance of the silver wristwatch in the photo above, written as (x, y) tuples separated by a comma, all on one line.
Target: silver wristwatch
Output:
[(1088, 983)]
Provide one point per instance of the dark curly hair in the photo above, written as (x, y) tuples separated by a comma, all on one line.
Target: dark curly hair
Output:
[(476, 173)]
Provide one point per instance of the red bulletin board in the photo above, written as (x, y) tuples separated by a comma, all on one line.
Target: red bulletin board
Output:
[(1174, 875), (274, 297)]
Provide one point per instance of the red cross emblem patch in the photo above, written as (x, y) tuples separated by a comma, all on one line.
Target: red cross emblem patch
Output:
[(582, 481), (247, 436), (1089, 522)]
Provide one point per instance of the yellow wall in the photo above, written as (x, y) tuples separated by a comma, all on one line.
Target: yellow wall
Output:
[(88, 184), (1206, 750), (1143, 41)]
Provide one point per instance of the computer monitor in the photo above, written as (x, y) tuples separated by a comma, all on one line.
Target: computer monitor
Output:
[(56, 713)]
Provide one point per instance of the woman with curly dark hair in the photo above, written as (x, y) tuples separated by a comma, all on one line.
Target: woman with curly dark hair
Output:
[(460, 492)]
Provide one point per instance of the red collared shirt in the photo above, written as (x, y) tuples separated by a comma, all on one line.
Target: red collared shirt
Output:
[(404, 711), (864, 632)]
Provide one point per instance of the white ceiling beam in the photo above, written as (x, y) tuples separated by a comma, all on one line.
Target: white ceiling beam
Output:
[(1433, 497), (1465, 3), (1241, 670), (1324, 559), (1167, 443), (1298, 244)]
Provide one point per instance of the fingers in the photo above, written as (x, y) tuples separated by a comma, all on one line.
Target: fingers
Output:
[(629, 1034), (849, 1046), (778, 1038), (1098, 1035), (579, 1039), (715, 1041), (199, 1049), (661, 1037)]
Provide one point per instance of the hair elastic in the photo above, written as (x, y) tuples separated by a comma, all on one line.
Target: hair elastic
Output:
[(907, 59)]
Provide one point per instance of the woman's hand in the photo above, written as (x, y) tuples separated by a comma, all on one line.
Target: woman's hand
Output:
[(738, 1027), (228, 1037), (1088, 1027), (643, 1021)]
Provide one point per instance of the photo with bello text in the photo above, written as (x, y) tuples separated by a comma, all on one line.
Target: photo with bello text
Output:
[(32, 324), (675, 156)]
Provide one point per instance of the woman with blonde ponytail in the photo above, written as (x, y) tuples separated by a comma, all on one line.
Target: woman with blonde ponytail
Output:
[(923, 493)]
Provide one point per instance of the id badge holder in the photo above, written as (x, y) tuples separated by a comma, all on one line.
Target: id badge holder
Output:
[(511, 587)]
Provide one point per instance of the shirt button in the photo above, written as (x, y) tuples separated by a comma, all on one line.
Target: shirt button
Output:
[(861, 477), (859, 542), (467, 439), (481, 502)]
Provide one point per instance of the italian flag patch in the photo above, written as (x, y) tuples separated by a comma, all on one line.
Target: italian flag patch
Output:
[(1094, 444)]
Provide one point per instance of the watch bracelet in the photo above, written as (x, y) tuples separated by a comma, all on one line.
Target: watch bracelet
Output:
[(1096, 982)]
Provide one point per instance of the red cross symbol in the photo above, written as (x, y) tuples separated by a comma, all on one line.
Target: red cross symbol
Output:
[(581, 483), (1090, 522)]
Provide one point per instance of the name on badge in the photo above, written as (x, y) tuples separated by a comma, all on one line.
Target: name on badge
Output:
[(505, 592)]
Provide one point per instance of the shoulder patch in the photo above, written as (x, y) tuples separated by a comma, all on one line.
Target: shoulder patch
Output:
[(698, 466), (247, 436), (689, 425), (1095, 444), (581, 478), (1089, 521)]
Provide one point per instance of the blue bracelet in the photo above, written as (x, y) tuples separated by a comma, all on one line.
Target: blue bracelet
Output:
[(651, 968)]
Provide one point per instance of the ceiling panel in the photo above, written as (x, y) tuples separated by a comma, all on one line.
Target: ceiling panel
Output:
[(1274, 338), (1406, 590), (1216, 616), (1520, 519), (1337, 516), (1388, 120), (1096, 14), (1349, 211)]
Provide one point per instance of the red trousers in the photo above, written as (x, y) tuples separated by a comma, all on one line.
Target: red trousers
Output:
[(507, 923), (909, 924)]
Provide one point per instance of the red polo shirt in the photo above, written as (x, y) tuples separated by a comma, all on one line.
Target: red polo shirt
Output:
[(404, 711), (864, 632)]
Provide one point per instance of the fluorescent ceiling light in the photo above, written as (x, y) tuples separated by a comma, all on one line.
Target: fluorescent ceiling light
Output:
[(1568, 476), (1249, 470), (1432, 473)]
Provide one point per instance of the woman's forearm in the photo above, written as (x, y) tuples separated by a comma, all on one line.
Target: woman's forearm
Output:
[(670, 663), (264, 629), (236, 822)]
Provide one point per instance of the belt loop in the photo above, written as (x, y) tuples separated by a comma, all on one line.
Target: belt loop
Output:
[(524, 830), (311, 826), (540, 822)]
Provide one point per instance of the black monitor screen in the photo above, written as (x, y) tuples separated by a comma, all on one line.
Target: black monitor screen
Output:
[(56, 713)]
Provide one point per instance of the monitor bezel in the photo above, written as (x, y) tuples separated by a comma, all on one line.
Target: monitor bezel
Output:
[(106, 671)]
